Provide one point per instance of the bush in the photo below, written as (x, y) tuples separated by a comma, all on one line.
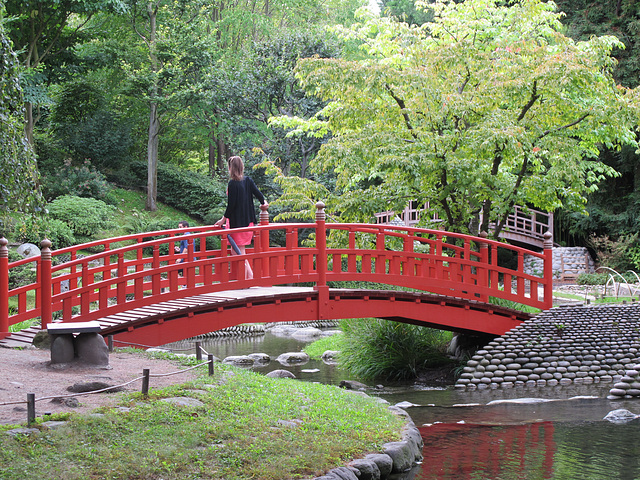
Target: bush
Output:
[(376, 348), (190, 192), (79, 181), (22, 275), (592, 278), (34, 229), (85, 216), (620, 254)]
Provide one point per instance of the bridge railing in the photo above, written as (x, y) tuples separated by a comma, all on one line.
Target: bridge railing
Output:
[(139, 270)]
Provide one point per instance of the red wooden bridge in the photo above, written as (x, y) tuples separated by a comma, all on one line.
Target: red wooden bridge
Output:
[(138, 292)]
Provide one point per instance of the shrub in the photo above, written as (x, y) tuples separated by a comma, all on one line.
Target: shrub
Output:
[(34, 229), (22, 275), (617, 254), (376, 348), (85, 216), (187, 191), (592, 278), (79, 181)]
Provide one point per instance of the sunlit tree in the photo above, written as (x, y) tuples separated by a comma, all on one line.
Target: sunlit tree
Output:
[(486, 107)]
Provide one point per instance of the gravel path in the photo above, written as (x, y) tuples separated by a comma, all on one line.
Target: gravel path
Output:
[(29, 371)]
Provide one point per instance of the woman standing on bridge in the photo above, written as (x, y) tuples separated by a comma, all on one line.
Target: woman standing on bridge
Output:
[(240, 210)]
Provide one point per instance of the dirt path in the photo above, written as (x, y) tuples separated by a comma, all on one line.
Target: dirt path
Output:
[(28, 371)]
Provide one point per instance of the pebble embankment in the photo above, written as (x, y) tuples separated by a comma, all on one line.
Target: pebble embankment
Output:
[(578, 344)]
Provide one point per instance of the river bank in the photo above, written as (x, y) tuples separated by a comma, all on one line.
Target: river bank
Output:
[(235, 425)]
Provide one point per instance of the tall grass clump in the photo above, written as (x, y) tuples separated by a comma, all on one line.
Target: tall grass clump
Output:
[(381, 349)]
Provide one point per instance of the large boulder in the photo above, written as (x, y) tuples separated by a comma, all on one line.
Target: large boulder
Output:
[(28, 250), (91, 349), (239, 361), (620, 416), (292, 358), (280, 374)]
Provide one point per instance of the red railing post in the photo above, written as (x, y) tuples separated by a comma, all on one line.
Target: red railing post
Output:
[(321, 260), (548, 270), (263, 266), (4, 288), (483, 271), (45, 283)]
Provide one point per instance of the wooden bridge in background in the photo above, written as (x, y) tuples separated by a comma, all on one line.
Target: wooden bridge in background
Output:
[(137, 290), (524, 226)]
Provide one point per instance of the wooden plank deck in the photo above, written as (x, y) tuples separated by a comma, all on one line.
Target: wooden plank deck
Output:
[(25, 337)]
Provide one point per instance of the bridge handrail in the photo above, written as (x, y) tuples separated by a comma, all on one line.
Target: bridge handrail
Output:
[(139, 274)]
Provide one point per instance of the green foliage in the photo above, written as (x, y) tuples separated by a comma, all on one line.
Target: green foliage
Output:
[(618, 254), (592, 279), (19, 189), (80, 181), (190, 192), (375, 348), (316, 349), (405, 11), (22, 275), (85, 216), (35, 228), (585, 18), (484, 108)]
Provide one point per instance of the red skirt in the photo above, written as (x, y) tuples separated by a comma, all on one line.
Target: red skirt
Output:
[(241, 238)]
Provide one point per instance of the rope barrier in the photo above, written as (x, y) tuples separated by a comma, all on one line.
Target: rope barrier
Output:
[(145, 387)]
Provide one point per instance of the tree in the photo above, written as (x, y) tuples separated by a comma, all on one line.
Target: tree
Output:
[(161, 69), (486, 107), (19, 189), (45, 32)]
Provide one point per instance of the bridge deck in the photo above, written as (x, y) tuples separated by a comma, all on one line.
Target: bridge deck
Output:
[(238, 302)]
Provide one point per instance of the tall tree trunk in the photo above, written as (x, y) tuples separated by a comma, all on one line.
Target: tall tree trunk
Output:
[(154, 121), (152, 158), (29, 122), (212, 156)]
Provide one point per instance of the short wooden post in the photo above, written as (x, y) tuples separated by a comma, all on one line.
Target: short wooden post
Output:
[(145, 381), (199, 351), (4, 288), (110, 343), (210, 359), (45, 283), (31, 408), (548, 270)]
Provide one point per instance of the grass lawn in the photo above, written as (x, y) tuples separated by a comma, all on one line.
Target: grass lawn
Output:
[(247, 426)]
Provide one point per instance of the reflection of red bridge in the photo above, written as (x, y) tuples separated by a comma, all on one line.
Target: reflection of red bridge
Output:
[(467, 451), (133, 286)]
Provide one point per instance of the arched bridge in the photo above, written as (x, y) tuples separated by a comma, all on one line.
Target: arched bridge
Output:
[(142, 291)]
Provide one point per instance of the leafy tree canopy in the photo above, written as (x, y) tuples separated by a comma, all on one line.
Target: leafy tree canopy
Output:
[(485, 107), (18, 172)]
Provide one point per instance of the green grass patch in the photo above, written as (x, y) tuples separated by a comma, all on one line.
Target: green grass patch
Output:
[(248, 427), (317, 348)]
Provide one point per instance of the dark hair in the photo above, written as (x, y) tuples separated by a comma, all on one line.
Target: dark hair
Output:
[(183, 223)]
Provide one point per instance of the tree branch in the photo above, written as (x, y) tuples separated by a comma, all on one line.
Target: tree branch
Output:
[(402, 106), (563, 127), (532, 100)]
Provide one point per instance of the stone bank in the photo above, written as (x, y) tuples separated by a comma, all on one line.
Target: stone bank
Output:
[(563, 345)]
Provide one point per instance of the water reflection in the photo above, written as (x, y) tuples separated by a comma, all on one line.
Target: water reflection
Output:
[(474, 436)]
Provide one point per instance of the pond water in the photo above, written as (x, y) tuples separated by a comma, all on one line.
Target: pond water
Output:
[(487, 434)]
